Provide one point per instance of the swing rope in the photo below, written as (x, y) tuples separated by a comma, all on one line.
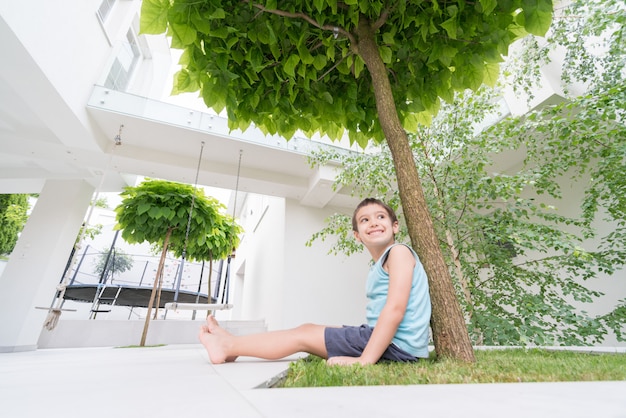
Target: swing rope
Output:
[(206, 306), (230, 256), (236, 187), (193, 201)]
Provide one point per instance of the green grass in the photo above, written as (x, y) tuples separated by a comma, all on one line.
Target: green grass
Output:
[(492, 366)]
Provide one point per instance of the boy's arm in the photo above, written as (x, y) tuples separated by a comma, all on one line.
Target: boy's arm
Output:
[(400, 265)]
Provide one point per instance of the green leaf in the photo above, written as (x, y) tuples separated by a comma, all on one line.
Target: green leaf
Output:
[(410, 123), (290, 65), (200, 22), (155, 212), (388, 38), (492, 74), (385, 54), (143, 208), (214, 94), (319, 62), (183, 82), (182, 35), (537, 16), (221, 33), (153, 18), (451, 27), (218, 13), (488, 5), (475, 73), (326, 96), (359, 65)]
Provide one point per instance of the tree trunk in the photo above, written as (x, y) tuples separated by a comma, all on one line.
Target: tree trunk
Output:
[(450, 334), (159, 273), (209, 299), (159, 290)]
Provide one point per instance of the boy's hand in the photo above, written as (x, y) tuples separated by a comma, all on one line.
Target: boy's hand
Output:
[(344, 361)]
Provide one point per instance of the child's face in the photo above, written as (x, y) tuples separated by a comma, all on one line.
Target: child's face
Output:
[(374, 225)]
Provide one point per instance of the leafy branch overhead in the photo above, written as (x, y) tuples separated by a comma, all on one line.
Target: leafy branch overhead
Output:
[(298, 67)]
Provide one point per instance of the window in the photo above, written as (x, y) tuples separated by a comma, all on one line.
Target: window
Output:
[(124, 64), (105, 9)]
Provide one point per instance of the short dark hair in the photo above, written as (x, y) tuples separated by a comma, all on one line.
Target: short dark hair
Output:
[(372, 201)]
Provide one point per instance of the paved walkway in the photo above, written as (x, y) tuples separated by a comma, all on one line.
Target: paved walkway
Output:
[(178, 380)]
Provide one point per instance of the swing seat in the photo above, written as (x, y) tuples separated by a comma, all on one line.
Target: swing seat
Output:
[(175, 306)]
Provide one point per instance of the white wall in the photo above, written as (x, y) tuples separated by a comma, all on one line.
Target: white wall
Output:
[(260, 284), (70, 50), (320, 287), (73, 51), (67, 42), (279, 279)]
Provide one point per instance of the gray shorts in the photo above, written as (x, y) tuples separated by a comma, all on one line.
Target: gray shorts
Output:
[(351, 341)]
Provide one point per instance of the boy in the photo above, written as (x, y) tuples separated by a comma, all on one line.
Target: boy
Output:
[(398, 309)]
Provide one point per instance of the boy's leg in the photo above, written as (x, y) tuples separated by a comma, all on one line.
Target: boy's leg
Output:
[(223, 346)]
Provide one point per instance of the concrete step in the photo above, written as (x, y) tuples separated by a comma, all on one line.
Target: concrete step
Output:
[(120, 333), (243, 327)]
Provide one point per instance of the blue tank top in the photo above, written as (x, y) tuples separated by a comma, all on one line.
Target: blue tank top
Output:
[(412, 335)]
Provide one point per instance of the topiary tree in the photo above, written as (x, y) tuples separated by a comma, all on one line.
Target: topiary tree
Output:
[(157, 211), (371, 68)]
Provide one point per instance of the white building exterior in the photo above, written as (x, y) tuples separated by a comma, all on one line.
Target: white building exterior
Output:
[(59, 115), (76, 76)]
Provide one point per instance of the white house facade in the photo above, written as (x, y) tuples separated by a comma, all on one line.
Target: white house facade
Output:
[(79, 76)]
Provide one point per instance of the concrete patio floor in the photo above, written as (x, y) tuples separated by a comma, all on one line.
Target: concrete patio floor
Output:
[(178, 380)]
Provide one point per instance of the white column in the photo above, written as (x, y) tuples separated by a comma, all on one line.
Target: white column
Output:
[(36, 264)]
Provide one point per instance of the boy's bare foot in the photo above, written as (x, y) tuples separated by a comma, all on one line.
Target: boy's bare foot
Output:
[(214, 327), (214, 339)]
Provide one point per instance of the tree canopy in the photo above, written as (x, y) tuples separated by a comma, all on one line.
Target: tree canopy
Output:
[(297, 66), (151, 209)]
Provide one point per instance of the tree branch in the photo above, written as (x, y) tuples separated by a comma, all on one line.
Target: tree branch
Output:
[(381, 20), (521, 265), (331, 68), (335, 29)]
